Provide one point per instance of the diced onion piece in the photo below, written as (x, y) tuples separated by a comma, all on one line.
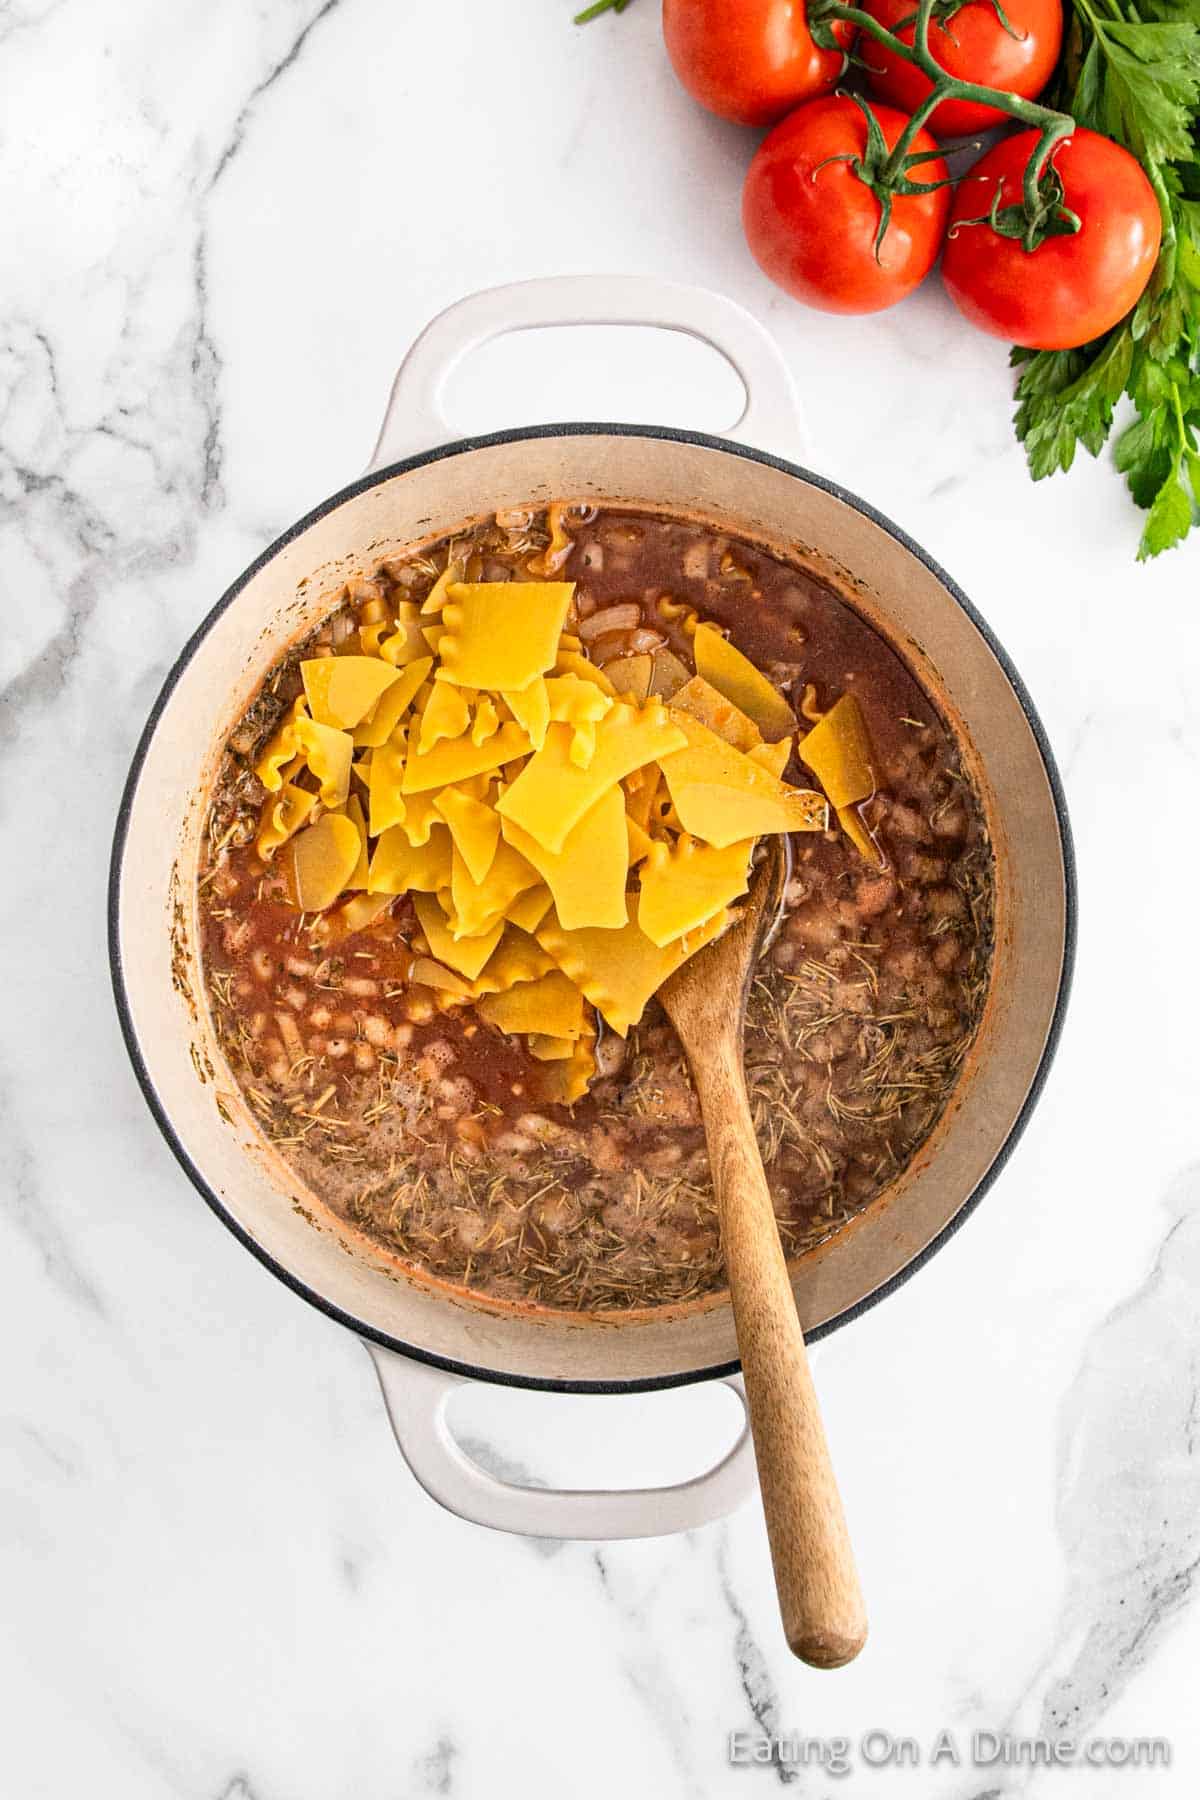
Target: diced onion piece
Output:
[(625, 616), (610, 648)]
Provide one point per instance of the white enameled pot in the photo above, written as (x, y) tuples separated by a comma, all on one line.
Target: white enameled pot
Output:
[(426, 1341)]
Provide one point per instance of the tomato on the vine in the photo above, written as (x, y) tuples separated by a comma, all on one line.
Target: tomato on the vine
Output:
[(812, 222), (1075, 285), (749, 60), (1008, 44)]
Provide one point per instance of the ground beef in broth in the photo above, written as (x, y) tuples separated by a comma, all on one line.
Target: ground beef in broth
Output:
[(421, 1126)]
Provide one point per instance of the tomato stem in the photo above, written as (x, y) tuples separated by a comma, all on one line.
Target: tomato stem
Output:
[(601, 6), (891, 178)]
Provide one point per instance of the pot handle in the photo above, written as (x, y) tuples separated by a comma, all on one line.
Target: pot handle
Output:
[(771, 418), (417, 1397)]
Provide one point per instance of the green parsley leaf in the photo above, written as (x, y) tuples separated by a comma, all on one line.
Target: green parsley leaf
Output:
[(1151, 86), (1136, 77), (1066, 398), (1171, 517)]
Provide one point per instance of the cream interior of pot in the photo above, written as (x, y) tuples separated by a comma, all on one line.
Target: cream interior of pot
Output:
[(158, 938)]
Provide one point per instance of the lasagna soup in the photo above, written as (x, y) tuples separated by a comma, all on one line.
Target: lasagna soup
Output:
[(471, 824)]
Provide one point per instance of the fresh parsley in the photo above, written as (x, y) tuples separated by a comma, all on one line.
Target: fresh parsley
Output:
[(1132, 71)]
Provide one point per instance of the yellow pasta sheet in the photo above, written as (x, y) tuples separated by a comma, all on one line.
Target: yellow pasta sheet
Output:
[(838, 751), (282, 748), (722, 796), (384, 783), (618, 971), (735, 676), (328, 754), (321, 861), (551, 794), (517, 958), (552, 1006), (587, 876), (474, 826), (457, 759), (398, 867), (501, 634), (282, 815), (407, 643), (683, 886), (478, 904), (342, 690), (703, 701), (465, 955), (392, 705)]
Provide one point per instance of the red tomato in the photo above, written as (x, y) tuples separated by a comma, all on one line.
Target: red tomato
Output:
[(972, 44), (812, 229), (749, 60), (1072, 288)]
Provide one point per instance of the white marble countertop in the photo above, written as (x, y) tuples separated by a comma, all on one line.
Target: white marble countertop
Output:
[(223, 225)]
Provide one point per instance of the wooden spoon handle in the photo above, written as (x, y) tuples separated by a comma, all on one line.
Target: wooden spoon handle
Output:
[(819, 1594)]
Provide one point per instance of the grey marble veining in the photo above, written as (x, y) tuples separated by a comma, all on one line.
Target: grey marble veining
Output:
[(1128, 1501), (223, 224)]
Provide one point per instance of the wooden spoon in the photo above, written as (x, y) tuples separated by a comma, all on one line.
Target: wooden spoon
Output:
[(819, 1595)]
